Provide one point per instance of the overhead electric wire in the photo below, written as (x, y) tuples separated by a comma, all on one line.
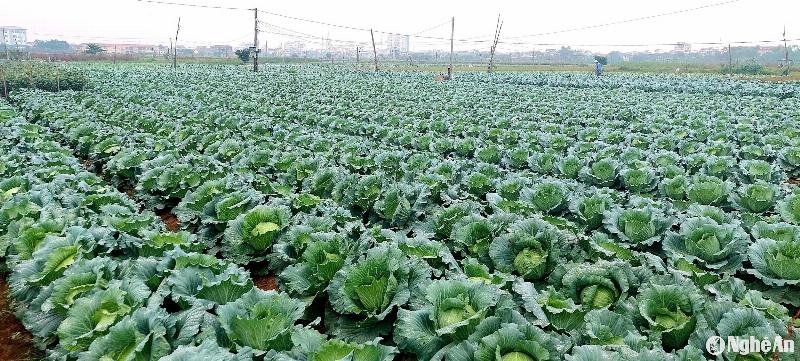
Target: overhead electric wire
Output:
[(470, 40), (194, 5), (626, 20), (433, 28), (310, 38)]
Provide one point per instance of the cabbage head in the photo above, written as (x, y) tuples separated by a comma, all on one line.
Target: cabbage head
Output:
[(528, 249), (708, 244), (261, 320), (639, 226)]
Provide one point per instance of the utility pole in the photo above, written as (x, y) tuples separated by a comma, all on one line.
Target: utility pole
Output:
[(498, 27), (255, 40), (786, 53), (358, 54), (452, 32), (730, 60), (374, 51), (115, 55), (5, 44), (533, 56), (175, 53), (169, 51)]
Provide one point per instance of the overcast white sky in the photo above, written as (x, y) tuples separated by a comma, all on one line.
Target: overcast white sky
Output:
[(130, 21)]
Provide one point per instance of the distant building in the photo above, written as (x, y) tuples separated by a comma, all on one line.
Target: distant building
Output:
[(13, 35), (397, 44), (764, 50), (293, 48), (682, 47), (214, 51), (221, 51), (129, 49)]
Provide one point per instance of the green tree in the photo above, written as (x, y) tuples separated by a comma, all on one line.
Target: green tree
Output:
[(52, 46), (601, 59), (94, 49), (243, 54)]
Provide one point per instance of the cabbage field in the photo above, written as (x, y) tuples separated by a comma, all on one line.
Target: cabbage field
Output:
[(310, 213)]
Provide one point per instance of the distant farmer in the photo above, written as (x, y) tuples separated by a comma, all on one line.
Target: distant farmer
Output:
[(598, 68)]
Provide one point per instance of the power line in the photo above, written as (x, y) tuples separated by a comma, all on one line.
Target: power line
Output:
[(301, 35), (471, 41), (447, 22), (627, 20), (521, 44), (194, 5), (313, 38), (347, 27)]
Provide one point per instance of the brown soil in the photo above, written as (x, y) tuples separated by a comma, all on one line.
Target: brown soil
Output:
[(266, 283), (793, 181), (89, 166), (170, 220), (16, 343)]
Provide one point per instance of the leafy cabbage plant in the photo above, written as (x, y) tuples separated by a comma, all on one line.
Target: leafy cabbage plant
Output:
[(758, 197), (789, 209), (366, 292), (639, 226), (776, 262), (671, 312), (708, 190), (589, 209), (250, 236), (261, 320), (530, 249), (708, 244), (451, 311)]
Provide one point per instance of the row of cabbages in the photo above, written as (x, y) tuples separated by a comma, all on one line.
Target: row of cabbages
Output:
[(406, 195), (99, 280), (589, 252), (95, 279)]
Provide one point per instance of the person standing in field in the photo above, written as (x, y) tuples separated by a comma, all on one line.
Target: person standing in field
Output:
[(598, 68)]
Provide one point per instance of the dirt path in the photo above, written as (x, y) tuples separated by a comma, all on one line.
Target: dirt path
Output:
[(16, 343)]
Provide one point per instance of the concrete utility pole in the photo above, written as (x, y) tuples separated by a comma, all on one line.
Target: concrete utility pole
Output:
[(786, 53), (175, 53), (452, 33), (730, 61), (374, 50), (5, 44), (358, 54), (498, 27), (115, 55), (255, 40)]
